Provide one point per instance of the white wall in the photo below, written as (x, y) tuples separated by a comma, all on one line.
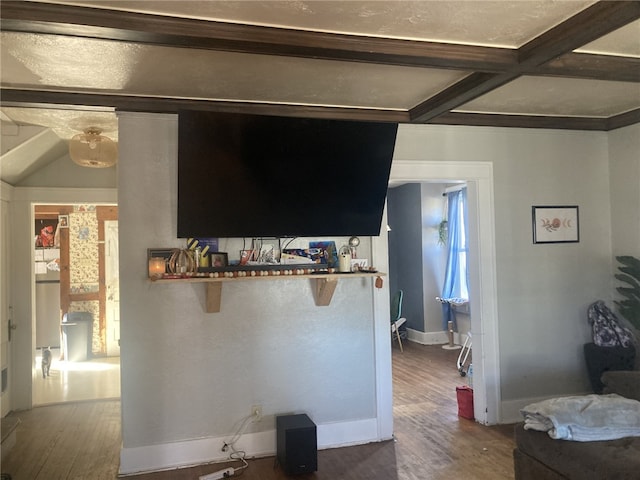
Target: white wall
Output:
[(64, 173), (189, 377), (624, 167)]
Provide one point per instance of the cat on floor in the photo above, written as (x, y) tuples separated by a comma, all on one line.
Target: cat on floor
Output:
[(46, 361)]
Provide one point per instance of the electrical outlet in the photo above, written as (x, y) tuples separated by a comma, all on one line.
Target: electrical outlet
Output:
[(256, 412)]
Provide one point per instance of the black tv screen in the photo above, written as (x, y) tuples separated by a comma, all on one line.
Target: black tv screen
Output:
[(264, 176)]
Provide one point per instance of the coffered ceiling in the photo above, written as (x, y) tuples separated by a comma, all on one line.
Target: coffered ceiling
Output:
[(69, 65)]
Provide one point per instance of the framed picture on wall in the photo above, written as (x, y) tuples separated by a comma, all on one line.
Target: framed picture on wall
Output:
[(63, 221), (555, 224), (45, 230)]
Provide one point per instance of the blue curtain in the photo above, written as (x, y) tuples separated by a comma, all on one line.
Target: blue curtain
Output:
[(456, 276)]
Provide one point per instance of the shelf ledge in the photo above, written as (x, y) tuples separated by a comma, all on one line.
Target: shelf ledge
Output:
[(325, 285)]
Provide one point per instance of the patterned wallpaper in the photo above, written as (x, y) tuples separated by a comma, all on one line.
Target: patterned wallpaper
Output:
[(84, 264), (83, 250)]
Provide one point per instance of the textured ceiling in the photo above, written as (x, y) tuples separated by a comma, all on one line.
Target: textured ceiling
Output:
[(490, 23), (547, 63)]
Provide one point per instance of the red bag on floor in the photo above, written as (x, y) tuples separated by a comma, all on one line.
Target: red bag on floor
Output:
[(465, 402)]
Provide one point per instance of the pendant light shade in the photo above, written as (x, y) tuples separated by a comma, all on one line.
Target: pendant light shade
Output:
[(90, 149)]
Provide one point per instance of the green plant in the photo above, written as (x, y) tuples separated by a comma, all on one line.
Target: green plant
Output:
[(442, 232), (629, 274)]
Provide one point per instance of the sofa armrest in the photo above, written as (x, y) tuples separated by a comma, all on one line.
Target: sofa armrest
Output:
[(625, 383)]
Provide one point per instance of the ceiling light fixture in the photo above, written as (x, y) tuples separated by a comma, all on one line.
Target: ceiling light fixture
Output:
[(90, 149)]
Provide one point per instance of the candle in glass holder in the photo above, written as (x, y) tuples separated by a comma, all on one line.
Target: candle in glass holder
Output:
[(156, 267)]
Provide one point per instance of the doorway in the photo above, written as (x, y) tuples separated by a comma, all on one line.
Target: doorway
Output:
[(418, 263), (76, 321), (482, 273)]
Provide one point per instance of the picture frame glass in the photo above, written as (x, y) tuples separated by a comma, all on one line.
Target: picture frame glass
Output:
[(219, 259)]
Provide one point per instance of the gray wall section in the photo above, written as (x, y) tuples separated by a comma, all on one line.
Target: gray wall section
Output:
[(405, 250)]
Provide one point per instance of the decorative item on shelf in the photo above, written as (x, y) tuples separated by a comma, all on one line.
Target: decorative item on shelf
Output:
[(353, 243), (90, 149), (328, 250), (344, 259), (157, 267), (202, 248), (219, 259), (182, 261), (246, 256)]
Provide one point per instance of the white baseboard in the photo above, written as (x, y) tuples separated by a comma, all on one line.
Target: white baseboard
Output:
[(169, 456), (433, 338)]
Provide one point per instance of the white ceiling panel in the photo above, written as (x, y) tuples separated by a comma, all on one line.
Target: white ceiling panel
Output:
[(471, 22), (64, 122), (624, 42), (558, 96)]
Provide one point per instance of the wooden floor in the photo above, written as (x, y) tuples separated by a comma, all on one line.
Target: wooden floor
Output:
[(67, 441), (82, 440)]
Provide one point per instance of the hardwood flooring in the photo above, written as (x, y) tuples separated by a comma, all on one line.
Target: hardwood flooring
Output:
[(97, 378), (82, 440), (67, 441)]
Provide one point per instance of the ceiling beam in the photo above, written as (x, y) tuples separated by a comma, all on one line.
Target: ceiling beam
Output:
[(521, 121), (56, 99), (102, 102), (623, 120), (591, 66), (586, 26), (86, 22)]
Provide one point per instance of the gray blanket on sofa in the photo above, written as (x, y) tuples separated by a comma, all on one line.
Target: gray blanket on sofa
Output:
[(585, 418)]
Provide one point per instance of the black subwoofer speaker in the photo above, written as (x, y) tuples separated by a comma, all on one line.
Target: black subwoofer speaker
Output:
[(297, 444)]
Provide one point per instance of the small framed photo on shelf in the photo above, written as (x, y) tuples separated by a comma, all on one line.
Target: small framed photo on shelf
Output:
[(555, 224), (246, 256), (218, 259)]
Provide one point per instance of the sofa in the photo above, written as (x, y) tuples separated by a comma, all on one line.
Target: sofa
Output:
[(539, 457)]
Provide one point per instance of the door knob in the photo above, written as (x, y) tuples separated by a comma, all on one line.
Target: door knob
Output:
[(11, 326)]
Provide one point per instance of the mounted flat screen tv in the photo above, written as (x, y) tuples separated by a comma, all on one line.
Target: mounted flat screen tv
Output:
[(264, 176)]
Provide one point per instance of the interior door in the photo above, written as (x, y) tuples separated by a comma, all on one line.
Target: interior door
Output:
[(5, 311), (112, 308)]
